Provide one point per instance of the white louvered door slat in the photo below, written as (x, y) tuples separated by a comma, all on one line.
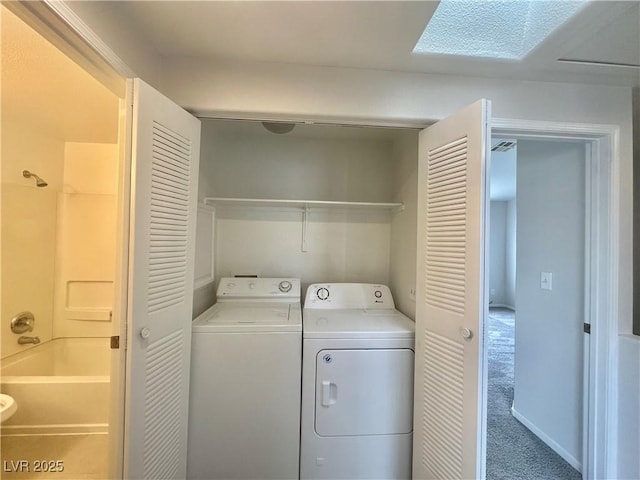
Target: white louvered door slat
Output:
[(165, 157), (449, 389)]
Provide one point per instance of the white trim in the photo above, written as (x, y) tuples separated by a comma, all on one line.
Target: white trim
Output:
[(64, 12), (307, 119), (119, 327), (591, 201), (570, 459), (270, 202), (502, 305), (559, 130)]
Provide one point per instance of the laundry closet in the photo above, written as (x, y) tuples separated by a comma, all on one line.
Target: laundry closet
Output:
[(341, 205)]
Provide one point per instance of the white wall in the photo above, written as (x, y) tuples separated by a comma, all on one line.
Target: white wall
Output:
[(549, 338), (28, 228), (497, 253), (502, 254), (510, 260), (242, 159), (122, 37), (404, 226), (341, 247), (315, 92), (629, 424)]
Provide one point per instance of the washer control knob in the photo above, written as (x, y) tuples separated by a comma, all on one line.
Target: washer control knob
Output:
[(377, 294), (231, 285), (323, 293), (284, 286), (252, 285)]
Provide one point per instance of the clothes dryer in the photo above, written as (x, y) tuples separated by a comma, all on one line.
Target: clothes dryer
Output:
[(357, 384), (244, 406)]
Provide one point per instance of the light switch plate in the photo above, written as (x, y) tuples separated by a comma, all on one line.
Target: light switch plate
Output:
[(546, 280)]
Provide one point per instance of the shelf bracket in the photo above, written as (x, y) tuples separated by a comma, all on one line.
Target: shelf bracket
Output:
[(305, 218)]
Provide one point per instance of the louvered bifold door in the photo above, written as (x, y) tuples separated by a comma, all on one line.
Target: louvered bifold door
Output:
[(164, 180), (449, 388)]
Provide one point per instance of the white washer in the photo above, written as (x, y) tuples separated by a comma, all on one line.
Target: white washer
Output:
[(244, 407), (357, 384)]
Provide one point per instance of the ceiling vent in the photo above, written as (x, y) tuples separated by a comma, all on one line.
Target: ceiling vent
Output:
[(504, 145)]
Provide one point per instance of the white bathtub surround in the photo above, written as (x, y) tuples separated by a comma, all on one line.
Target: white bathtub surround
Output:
[(86, 241), (61, 387)]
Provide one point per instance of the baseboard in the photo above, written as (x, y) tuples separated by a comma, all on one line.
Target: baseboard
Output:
[(68, 429), (570, 459), (502, 305)]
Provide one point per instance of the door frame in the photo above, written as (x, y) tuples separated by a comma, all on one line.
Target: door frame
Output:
[(601, 279)]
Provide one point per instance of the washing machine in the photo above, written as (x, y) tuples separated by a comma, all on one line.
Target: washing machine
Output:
[(357, 384), (244, 404)]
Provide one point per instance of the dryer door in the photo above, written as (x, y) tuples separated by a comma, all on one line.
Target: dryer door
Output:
[(364, 392)]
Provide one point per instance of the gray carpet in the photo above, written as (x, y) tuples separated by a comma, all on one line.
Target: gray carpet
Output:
[(513, 452)]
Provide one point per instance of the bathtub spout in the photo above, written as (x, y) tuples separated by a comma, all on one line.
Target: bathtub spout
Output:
[(24, 340)]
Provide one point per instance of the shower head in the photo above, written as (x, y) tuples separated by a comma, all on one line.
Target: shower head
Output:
[(39, 181)]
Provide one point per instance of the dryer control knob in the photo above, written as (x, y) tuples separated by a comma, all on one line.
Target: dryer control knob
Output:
[(284, 286), (323, 293), (377, 294)]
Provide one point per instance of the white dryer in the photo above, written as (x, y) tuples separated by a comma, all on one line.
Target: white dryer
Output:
[(244, 405), (357, 384)]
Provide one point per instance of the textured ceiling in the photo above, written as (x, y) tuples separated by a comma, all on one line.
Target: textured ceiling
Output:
[(372, 34), (493, 29), (43, 88)]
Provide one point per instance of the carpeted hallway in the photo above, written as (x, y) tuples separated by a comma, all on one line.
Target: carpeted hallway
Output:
[(513, 452)]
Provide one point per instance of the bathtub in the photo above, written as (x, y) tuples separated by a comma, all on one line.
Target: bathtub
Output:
[(61, 386)]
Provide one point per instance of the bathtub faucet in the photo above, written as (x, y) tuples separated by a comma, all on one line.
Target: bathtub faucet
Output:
[(24, 340)]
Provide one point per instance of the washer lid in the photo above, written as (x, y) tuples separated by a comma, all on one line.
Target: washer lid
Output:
[(357, 323), (250, 317)]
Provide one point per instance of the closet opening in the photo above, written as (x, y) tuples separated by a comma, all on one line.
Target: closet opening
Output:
[(323, 203)]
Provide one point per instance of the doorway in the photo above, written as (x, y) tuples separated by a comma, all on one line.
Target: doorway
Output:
[(61, 161), (536, 350)]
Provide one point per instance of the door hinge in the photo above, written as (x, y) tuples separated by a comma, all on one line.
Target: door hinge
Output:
[(587, 328), (115, 342)]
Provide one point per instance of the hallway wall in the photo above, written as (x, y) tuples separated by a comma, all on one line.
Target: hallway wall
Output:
[(549, 338), (497, 252)]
